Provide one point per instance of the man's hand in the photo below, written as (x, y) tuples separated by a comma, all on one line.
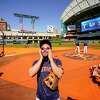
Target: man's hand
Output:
[(50, 56), (35, 68), (56, 70), (41, 57)]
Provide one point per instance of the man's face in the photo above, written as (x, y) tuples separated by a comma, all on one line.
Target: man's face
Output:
[(44, 50)]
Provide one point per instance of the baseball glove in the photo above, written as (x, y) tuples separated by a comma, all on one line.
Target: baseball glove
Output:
[(51, 81)]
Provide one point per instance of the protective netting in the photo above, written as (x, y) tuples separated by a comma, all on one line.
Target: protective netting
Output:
[(1, 50)]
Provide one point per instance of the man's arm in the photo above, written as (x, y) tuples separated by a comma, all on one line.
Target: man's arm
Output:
[(57, 70), (35, 68)]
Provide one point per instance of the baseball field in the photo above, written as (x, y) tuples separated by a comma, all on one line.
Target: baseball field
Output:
[(15, 83)]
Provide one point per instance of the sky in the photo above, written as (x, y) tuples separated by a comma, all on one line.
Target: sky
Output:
[(48, 11)]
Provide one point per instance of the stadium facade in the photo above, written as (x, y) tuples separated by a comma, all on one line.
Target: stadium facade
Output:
[(8, 35), (81, 18), (24, 37)]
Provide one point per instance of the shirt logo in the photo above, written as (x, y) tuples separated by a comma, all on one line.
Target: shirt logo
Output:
[(46, 69)]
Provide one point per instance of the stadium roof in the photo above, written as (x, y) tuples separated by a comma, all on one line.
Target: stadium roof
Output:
[(80, 10)]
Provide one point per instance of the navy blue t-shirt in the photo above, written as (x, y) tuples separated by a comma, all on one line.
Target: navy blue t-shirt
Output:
[(43, 92)]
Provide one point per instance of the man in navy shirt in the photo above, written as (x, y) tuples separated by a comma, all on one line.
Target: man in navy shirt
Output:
[(42, 67)]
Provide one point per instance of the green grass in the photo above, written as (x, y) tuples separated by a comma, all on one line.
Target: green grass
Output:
[(15, 45), (36, 45), (62, 44), (97, 48), (56, 43)]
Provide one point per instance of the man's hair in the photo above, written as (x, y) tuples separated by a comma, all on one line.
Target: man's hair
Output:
[(45, 42)]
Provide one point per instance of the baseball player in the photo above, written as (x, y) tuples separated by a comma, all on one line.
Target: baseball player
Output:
[(85, 47), (47, 87), (77, 49)]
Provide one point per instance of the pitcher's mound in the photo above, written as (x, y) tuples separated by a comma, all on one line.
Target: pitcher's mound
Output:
[(82, 57)]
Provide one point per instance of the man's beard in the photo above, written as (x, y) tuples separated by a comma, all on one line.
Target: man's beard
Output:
[(45, 58)]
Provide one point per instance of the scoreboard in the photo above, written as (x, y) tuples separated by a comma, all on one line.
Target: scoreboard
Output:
[(90, 25)]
